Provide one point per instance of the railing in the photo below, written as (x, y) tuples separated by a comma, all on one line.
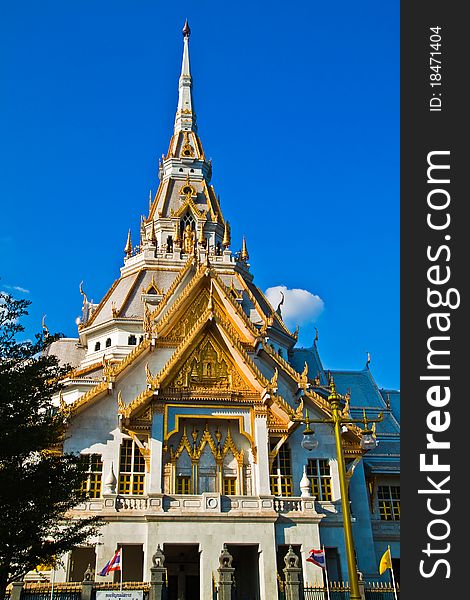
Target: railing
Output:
[(194, 503)]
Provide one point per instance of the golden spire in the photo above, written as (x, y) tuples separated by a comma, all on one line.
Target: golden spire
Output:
[(177, 232), (152, 237), (244, 255), (128, 247), (201, 239), (226, 240)]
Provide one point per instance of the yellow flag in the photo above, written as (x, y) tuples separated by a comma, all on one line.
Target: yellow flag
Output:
[(385, 561)]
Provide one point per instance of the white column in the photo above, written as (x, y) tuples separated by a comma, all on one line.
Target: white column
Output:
[(156, 455), (262, 447)]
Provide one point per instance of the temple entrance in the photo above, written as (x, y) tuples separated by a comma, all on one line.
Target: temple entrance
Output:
[(80, 558), (132, 558), (246, 565), (182, 563)]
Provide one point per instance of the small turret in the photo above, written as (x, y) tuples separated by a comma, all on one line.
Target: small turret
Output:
[(226, 240), (128, 246), (244, 253)]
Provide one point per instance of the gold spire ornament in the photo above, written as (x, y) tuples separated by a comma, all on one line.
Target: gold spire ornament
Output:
[(226, 240), (201, 240), (177, 233), (152, 238), (128, 246), (244, 253)]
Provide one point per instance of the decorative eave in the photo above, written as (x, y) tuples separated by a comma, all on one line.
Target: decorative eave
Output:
[(212, 202), (80, 372), (117, 312), (169, 293), (105, 298), (156, 382), (161, 188), (223, 292), (235, 304), (267, 319), (198, 276), (110, 373)]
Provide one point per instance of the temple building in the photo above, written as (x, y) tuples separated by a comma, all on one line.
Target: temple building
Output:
[(186, 394)]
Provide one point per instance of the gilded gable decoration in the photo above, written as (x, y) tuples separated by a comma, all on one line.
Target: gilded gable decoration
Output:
[(208, 366)]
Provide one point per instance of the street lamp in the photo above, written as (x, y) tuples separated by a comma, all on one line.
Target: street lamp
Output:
[(308, 441), (339, 419)]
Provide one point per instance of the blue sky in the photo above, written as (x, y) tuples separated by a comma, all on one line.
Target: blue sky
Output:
[(298, 106)]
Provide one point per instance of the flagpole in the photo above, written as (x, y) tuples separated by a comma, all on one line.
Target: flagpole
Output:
[(326, 575), (121, 565), (393, 575)]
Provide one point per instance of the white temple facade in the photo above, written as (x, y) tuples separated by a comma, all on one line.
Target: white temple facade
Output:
[(186, 394)]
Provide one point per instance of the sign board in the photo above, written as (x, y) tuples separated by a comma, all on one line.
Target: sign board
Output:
[(118, 595)]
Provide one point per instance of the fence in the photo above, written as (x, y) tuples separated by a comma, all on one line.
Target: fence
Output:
[(44, 591), (70, 591), (73, 591), (340, 591)]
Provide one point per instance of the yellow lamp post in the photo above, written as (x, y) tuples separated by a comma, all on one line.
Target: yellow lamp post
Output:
[(368, 442)]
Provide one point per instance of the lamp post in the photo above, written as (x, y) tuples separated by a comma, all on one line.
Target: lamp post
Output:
[(338, 419)]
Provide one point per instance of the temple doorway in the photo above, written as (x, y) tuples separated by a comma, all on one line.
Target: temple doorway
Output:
[(182, 563), (246, 575), (132, 563), (80, 558)]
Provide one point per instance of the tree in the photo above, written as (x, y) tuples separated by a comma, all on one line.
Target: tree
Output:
[(39, 484)]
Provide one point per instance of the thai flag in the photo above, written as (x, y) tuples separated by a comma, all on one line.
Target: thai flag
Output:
[(113, 565), (317, 557)]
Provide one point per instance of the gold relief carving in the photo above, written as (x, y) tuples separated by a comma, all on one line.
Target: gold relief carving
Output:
[(158, 408), (152, 287), (187, 150), (209, 367), (260, 411), (186, 323), (195, 449), (147, 322)]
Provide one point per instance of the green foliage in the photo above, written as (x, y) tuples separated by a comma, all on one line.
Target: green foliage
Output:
[(38, 483)]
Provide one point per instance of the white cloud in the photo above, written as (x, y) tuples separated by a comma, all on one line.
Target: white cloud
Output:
[(17, 288), (300, 306)]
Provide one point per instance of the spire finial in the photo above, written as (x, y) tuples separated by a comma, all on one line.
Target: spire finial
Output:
[(186, 29), (226, 240), (128, 247), (185, 119), (244, 254)]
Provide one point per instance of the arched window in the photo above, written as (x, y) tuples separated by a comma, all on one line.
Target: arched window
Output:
[(97, 346), (188, 219), (131, 340), (108, 343)]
